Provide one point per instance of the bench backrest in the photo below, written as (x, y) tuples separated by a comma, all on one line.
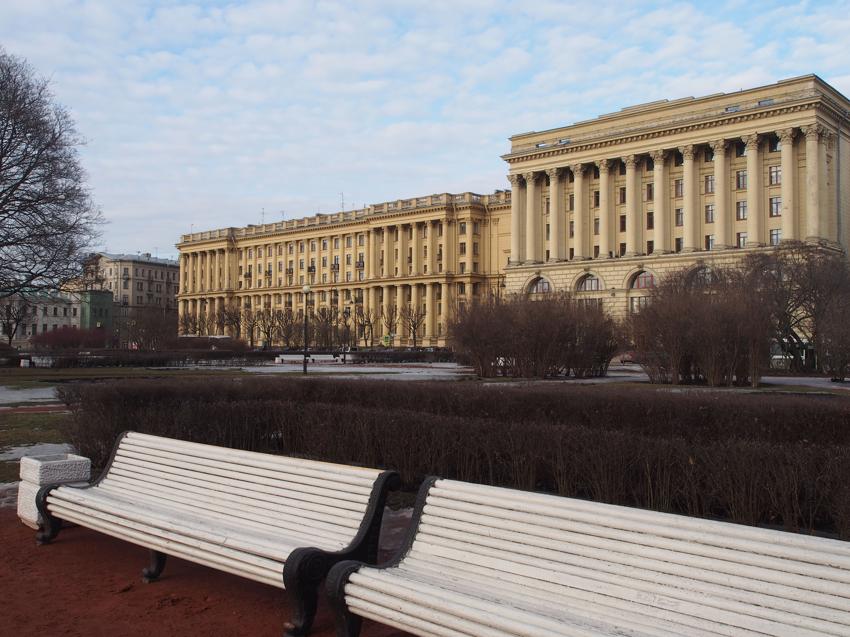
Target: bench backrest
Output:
[(260, 490), (715, 573)]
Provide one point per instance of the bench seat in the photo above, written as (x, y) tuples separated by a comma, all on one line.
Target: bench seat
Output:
[(273, 519), (489, 561)]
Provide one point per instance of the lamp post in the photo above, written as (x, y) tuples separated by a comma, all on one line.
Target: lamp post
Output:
[(306, 290), (346, 313)]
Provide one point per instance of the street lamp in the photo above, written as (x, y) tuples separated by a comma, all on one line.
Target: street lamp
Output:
[(346, 313), (306, 290)]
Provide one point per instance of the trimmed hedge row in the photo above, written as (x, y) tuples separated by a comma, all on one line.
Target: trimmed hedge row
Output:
[(750, 458)]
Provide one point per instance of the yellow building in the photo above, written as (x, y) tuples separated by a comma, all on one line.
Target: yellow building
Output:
[(426, 253), (605, 207), (601, 208)]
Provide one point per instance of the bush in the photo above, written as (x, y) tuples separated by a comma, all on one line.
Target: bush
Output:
[(754, 459)]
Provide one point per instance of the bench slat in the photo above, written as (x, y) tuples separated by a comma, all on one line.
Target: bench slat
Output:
[(575, 548), (249, 457), (200, 552), (329, 534), (278, 476)]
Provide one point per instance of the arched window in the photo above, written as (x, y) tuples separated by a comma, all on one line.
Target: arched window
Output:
[(701, 276), (589, 283), (539, 286), (643, 281)]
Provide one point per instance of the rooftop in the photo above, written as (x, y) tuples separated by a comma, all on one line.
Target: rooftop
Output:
[(144, 257)]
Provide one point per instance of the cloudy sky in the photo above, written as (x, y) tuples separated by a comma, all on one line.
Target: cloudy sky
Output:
[(203, 114)]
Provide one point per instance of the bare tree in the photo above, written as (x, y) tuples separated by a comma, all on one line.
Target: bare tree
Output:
[(249, 325), (231, 316), (325, 319), (47, 219), (412, 320), (365, 321), (390, 321), (188, 324), (284, 321), (267, 325), (13, 315), (151, 328)]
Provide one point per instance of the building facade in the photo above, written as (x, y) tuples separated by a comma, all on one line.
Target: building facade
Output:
[(606, 207), (25, 316), (602, 209), (425, 253), (137, 281)]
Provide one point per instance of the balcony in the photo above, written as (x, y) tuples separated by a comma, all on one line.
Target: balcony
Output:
[(359, 265), (334, 267), (311, 269), (290, 271)]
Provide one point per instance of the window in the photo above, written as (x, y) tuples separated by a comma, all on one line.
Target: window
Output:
[(462, 248), (476, 227), (709, 241), (773, 144), (461, 228), (643, 281), (776, 206), (589, 283), (650, 220), (740, 210), (596, 252), (539, 286), (572, 202), (650, 247), (361, 240), (301, 247), (709, 184), (595, 198), (622, 192), (678, 188), (650, 193), (741, 179), (475, 248), (741, 239), (622, 223), (126, 284), (775, 236), (572, 229), (461, 288), (740, 149), (596, 226), (709, 155), (347, 259), (709, 213), (774, 175), (680, 217), (463, 267), (312, 246), (250, 253), (348, 241), (622, 168), (678, 160), (678, 244), (649, 164), (637, 303)]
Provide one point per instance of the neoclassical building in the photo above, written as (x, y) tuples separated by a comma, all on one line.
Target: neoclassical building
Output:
[(428, 253), (602, 209), (605, 207)]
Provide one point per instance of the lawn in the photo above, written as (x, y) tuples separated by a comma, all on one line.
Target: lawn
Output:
[(17, 429)]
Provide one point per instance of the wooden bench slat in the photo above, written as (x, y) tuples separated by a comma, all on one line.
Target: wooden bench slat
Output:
[(180, 469), (329, 534), (806, 563), (541, 575), (246, 500), (573, 547), (249, 457), (669, 525), (225, 486), (278, 476), (199, 553)]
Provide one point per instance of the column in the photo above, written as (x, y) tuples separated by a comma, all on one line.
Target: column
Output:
[(661, 202), (755, 218), (633, 220), (387, 270), (557, 221), (432, 247), (417, 249), (606, 237), (373, 308), (532, 213), (415, 297), (516, 221), (227, 258), (368, 257), (815, 171), (722, 220), (444, 308), (789, 177), (580, 229), (691, 192), (430, 309), (450, 246), (403, 244)]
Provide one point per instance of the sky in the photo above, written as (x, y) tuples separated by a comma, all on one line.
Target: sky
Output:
[(212, 114)]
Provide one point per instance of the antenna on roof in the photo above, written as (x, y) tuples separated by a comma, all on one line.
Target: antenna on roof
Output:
[(342, 200), (263, 216)]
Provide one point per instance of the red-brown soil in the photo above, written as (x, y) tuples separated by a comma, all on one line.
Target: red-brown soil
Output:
[(86, 583)]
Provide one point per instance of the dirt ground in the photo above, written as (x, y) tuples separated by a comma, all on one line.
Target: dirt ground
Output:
[(86, 583)]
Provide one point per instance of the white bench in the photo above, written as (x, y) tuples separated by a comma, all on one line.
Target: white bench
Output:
[(498, 562), (277, 520)]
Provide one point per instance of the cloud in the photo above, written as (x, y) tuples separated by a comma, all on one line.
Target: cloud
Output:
[(204, 113)]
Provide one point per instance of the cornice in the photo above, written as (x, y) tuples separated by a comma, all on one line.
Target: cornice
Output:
[(662, 129)]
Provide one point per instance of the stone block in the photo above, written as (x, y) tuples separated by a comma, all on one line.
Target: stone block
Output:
[(36, 471)]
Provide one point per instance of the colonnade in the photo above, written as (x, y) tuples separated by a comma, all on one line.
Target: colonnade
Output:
[(596, 232)]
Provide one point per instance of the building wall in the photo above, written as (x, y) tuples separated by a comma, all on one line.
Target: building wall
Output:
[(589, 184), (426, 252), (650, 189), (45, 312), (136, 281)]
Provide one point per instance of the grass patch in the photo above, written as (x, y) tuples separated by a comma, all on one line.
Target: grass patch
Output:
[(28, 429)]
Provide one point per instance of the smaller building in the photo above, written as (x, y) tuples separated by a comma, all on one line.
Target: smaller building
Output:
[(95, 310), (136, 281), (25, 316)]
